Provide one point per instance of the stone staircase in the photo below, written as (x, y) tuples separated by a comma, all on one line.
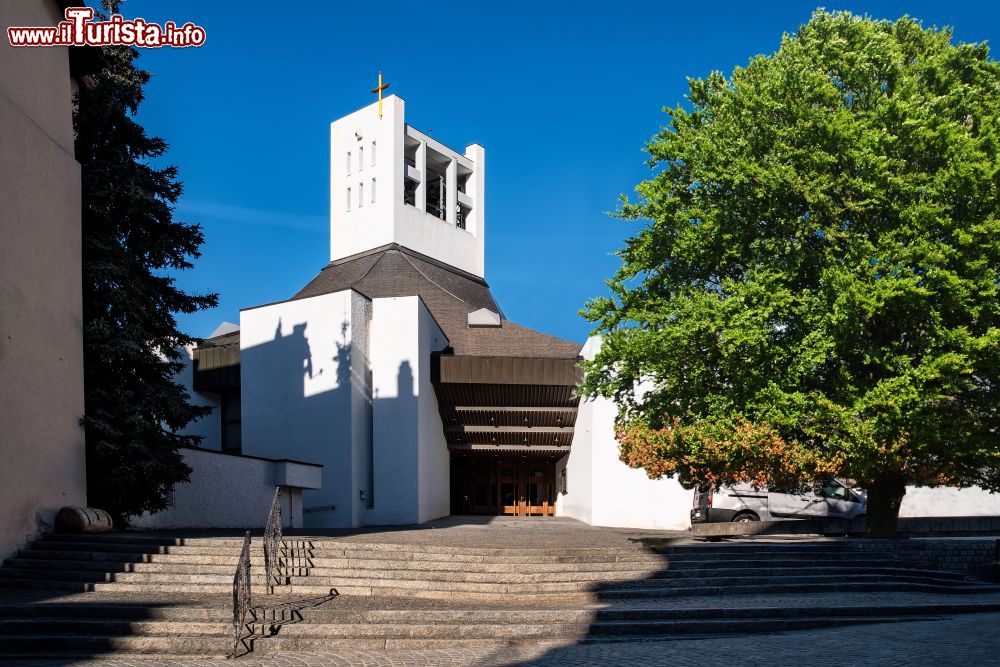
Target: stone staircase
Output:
[(149, 594)]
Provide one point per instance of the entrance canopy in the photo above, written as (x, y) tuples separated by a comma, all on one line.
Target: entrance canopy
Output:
[(507, 404)]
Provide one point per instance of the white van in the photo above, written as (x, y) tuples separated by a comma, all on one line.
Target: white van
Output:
[(825, 499)]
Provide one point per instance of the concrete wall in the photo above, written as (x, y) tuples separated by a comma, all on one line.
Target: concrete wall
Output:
[(947, 501), (344, 382), (603, 491), (367, 224), (410, 454), (231, 491), (296, 363), (578, 463), (362, 447), (41, 349), (208, 427), (434, 459)]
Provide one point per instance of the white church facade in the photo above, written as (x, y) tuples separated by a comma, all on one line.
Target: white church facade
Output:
[(391, 389)]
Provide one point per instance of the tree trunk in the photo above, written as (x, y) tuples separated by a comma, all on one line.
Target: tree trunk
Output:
[(884, 498)]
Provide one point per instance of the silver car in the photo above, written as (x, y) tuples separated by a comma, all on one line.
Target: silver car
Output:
[(827, 498)]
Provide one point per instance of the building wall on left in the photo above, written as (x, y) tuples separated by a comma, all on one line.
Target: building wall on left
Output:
[(41, 347)]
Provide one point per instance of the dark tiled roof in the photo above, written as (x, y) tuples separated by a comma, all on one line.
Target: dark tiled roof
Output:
[(449, 294)]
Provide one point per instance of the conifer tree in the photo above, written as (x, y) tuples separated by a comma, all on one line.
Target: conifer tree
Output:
[(131, 243)]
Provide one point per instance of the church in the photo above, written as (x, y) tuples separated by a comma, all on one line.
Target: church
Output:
[(397, 372), (392, 390)]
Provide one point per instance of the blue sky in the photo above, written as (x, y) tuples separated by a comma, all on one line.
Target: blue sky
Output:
[(563, 95)]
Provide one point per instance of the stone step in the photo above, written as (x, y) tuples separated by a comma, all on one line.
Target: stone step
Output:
[(805, 588), (148, 539), (562, 631), (124, 577), (145, 610), (287, 642), (393, 561), (577, 586), (121, 619), (333, 542), (465, 591), (325, 575), (528, 595), (835, 546), (499, 582), (127, 549), (168, 563), (320, 547), (96, 542), (133, 552), (638, 615), (105, 627), (42, 645), (118, 587), (98, 571), (398, 565), (135, 557)]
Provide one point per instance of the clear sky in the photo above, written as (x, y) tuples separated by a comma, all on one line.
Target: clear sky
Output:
[(563, 95)]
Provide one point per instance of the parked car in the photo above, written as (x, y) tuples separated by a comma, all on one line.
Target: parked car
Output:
[(827, 498)]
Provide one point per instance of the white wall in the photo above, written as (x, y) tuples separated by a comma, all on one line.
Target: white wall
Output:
[(436, 238), (362, 444), (948, 501), (41, 344), (208, 427), (371, 224), (434, 461), (295, 371), (231, 491), (410, 454), (578, 463), (603, 491)]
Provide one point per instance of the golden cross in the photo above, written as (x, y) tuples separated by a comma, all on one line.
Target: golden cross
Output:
[(378, 91)]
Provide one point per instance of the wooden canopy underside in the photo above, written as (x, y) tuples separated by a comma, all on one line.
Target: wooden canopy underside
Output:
[(509, 405)]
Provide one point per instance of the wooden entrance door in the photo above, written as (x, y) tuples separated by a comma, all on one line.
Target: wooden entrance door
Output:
[(539, 490), (528, 489), (499, 486)]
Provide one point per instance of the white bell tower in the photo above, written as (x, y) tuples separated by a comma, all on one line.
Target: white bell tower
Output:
[(390, 183)]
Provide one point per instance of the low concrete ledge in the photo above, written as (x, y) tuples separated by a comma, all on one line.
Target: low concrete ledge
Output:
[(953, 526), (949, 526), (790, 527), (300, 475), (229, 490)]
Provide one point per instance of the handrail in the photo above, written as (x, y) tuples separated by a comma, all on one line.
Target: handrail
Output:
[(319, 508), (241, 593), (272, 542)]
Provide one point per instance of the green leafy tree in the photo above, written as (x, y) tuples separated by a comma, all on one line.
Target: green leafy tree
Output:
[(814, 288), (130, 244)]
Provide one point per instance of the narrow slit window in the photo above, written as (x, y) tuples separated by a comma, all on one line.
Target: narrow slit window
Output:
[(373, 153), (361, 195), (348, 163), (348, 199), (361, 158), (373, 190)]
